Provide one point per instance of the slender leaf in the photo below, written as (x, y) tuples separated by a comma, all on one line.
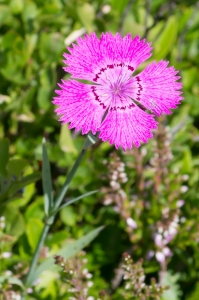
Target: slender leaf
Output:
[(90, 140), (46, 181), (74, 200)]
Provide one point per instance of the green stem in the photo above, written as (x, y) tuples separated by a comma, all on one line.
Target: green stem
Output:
[(36, 253), (50, 219), (69, 178)]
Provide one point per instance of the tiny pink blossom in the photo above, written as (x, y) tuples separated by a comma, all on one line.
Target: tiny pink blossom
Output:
[(167, 251), (115, 103), (6, 254), (160, 257), (158, 240), (180, 203), (150, 254), (131, 223)]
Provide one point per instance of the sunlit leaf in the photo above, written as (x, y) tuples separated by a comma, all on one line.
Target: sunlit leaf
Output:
[(16, 166), (15, 224), (33, 231), (86, 15), (66, 141), (166, 39)]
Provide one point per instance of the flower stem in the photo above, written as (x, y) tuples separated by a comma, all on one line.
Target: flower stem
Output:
[(36, 254), (50, 219)]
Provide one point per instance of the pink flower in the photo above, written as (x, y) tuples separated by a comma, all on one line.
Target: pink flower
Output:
[(115, 103), (131, 223), (160, 257)]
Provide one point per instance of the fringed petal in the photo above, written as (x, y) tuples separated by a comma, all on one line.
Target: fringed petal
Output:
[(79, 106), (91, 55), (127, 126), (157, 89)]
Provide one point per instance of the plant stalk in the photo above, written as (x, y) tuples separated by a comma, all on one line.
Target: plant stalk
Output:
[(50, 219), (36, 254)]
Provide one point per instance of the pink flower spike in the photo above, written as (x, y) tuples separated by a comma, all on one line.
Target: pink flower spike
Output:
[(115, 103)]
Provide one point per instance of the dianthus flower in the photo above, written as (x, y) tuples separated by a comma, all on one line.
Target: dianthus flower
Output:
[(114, 102)]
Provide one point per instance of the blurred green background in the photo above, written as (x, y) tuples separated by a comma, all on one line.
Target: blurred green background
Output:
[(142, 186)]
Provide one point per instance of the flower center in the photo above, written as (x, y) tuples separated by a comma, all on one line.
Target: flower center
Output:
[(116, 90), (114, 85)]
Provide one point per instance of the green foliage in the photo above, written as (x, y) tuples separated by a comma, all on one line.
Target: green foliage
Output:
[(67, 251)]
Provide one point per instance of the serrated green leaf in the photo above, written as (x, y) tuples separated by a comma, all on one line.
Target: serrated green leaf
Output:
[(173, 293)]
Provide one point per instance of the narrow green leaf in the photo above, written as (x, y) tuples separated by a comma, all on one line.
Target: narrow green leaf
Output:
[(90, 140), (69, 178), (67, 252), (174, 292), (46, 181), (4, 155), (74, 200)]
